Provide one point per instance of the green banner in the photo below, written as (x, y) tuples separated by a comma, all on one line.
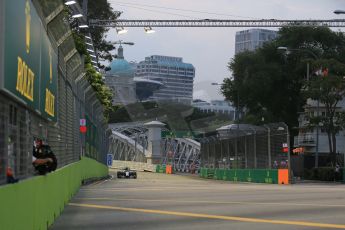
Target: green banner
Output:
[(29, 61), (48, 79)]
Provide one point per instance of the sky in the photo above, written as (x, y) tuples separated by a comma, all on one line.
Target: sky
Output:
[(208, 49)]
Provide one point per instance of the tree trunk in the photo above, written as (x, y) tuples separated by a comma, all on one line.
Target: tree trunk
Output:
[(334, 149), (329, 135)]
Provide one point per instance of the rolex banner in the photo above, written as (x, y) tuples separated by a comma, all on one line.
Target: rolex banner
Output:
[(30, 63)]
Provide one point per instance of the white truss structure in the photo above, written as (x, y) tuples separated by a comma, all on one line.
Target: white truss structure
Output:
[(124, 148), (128, 142), (182, 153)]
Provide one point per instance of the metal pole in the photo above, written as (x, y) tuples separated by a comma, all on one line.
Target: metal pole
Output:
[(289, 159), (236, 149), (238, 128), (317, 136), (214, 154), (245, 152), (269, 147), (308, 72), (255, 158), (221, 153), (228, 158), (135, 147), (85, 2), (317, 125)]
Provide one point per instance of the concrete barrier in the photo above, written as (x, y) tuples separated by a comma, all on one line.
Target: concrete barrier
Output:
[(138, 166), (34, 203)]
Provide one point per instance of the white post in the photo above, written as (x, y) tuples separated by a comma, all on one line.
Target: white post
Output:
[(154, 154)]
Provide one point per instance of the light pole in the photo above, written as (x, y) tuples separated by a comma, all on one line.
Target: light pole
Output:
[(236, 115), (341, 12), (288, 51), (236, 110), (281, 128)]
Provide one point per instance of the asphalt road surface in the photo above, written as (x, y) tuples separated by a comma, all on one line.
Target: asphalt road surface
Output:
[(159, 201)]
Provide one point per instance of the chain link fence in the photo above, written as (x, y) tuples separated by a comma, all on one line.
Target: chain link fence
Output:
[(75, 99), (243, 146)]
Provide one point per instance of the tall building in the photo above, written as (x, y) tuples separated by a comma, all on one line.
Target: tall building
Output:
[(176, 76), (310, 140), (126, 88), (252, 39)]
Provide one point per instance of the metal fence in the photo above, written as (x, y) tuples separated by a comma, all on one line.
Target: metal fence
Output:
[(75, 99), (183, 154), (245, 146)]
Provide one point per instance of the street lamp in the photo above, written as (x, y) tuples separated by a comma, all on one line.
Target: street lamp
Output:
[(237, 117), (83, 26), (149, 30), (77, 15), (121, 30), (220, 84), (68, 3), (339, 12), (288, 51)]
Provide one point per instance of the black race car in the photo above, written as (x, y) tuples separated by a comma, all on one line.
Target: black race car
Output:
[(127, 173)]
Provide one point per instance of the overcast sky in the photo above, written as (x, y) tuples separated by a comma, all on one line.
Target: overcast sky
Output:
[(208, 49)]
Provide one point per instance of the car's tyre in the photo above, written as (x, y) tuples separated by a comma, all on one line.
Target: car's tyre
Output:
[(135, 176)]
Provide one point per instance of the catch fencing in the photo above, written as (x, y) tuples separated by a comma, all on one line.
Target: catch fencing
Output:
[(242, 146), (74, 100)]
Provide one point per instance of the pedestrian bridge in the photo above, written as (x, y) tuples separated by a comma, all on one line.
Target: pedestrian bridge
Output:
[(133, 142)]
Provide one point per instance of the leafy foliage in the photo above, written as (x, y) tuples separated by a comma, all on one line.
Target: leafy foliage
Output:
[(265, 85), (268, 84), (103, 92), (101, 9), (329, 90)]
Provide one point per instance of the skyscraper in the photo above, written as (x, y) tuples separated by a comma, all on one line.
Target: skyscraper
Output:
[(252, 39), (176, 76)]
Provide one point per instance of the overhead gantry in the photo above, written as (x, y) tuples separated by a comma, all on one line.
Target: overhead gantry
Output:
[(216, 23)]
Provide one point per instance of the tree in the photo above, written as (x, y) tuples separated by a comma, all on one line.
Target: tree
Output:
[(328, 87), (268, 84), (264, 84), (103, 92), (101, 9)]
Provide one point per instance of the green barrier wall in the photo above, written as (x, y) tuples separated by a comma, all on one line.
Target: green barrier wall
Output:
[(160, 169), (36, 202), (242, 175), (203, 172)]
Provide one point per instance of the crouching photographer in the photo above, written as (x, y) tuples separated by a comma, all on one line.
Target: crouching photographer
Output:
[(43, 158)]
